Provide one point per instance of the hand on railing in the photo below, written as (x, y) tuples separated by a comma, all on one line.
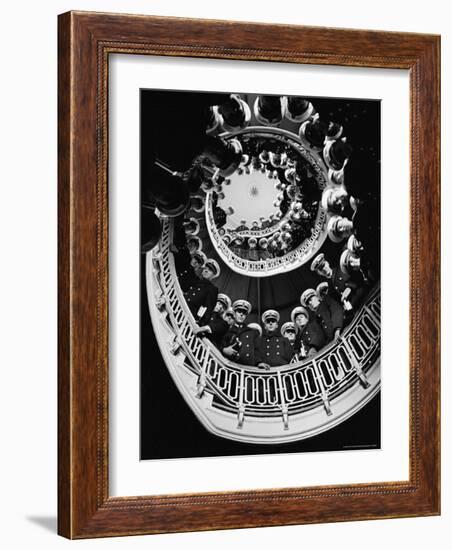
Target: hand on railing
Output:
[(200, 331), (230, 351), (264, 366)]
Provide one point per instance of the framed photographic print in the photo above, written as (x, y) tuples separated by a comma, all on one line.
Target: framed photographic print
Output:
[(248, 275)]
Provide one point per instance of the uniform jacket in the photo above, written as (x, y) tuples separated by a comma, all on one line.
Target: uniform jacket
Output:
[(274, 349), (219, 328), (185, 272), (253, 254), (330, 316), (310, 336), (340, 281), (248, 338), (201, 294)]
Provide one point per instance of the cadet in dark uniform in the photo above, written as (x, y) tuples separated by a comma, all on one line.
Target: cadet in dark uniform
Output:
[(289, 331), (237, 246), (352, 266), (341, 284), (242, 226), (322, 289), (197, 262), (253, 253), (309, 338), (339, 228), (346, 281), (194, 244), (336, 201), (191, 227), (217, 327), (275, 350), (328, 313), (183, 260), (240, 343), (264, 254), (201, 295), (228, 316)]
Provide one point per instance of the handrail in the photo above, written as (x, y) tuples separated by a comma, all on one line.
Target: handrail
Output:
[(258, 233), (290, 389)]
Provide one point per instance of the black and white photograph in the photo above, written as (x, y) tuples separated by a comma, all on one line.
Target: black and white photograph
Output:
[(224, 237), (260, 274)]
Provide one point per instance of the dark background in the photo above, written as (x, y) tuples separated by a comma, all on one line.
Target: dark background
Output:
[(169, 429)]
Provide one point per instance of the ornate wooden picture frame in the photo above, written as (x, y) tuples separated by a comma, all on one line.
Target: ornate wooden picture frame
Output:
[(86, 40)]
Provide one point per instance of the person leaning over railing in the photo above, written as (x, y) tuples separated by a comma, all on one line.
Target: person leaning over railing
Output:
[(183, 258), (228, 316), (240, 343), (341, 285), (289, 331), (310, 337), (274, 349), (253, 251), (217, 327), (201, 295), (326, 311)]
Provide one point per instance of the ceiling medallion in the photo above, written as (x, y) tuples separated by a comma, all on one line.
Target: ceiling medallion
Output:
[(254, 191)]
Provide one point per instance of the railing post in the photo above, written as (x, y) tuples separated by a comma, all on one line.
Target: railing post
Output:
[(160, 300), (359, 371), (203, 377), (241, 410), (284, 407), (175, 344), (323, 392)]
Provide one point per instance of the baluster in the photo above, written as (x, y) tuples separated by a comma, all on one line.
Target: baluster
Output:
[(340, 364), (156, 259), (284, 408), (372, 315), (203, 377), (359, 337), (372, 329), (359, 371), (241, 409), (323, 392)]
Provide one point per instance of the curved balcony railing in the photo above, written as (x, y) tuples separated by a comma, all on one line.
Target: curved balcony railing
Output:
[(286, 403), (270, 266), (259, 233)]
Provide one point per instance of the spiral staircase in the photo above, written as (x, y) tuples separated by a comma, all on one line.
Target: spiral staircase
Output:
[(244, 403), (247, 404)]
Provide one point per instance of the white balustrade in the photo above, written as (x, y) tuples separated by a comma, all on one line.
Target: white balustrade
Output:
[(250, 391)]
